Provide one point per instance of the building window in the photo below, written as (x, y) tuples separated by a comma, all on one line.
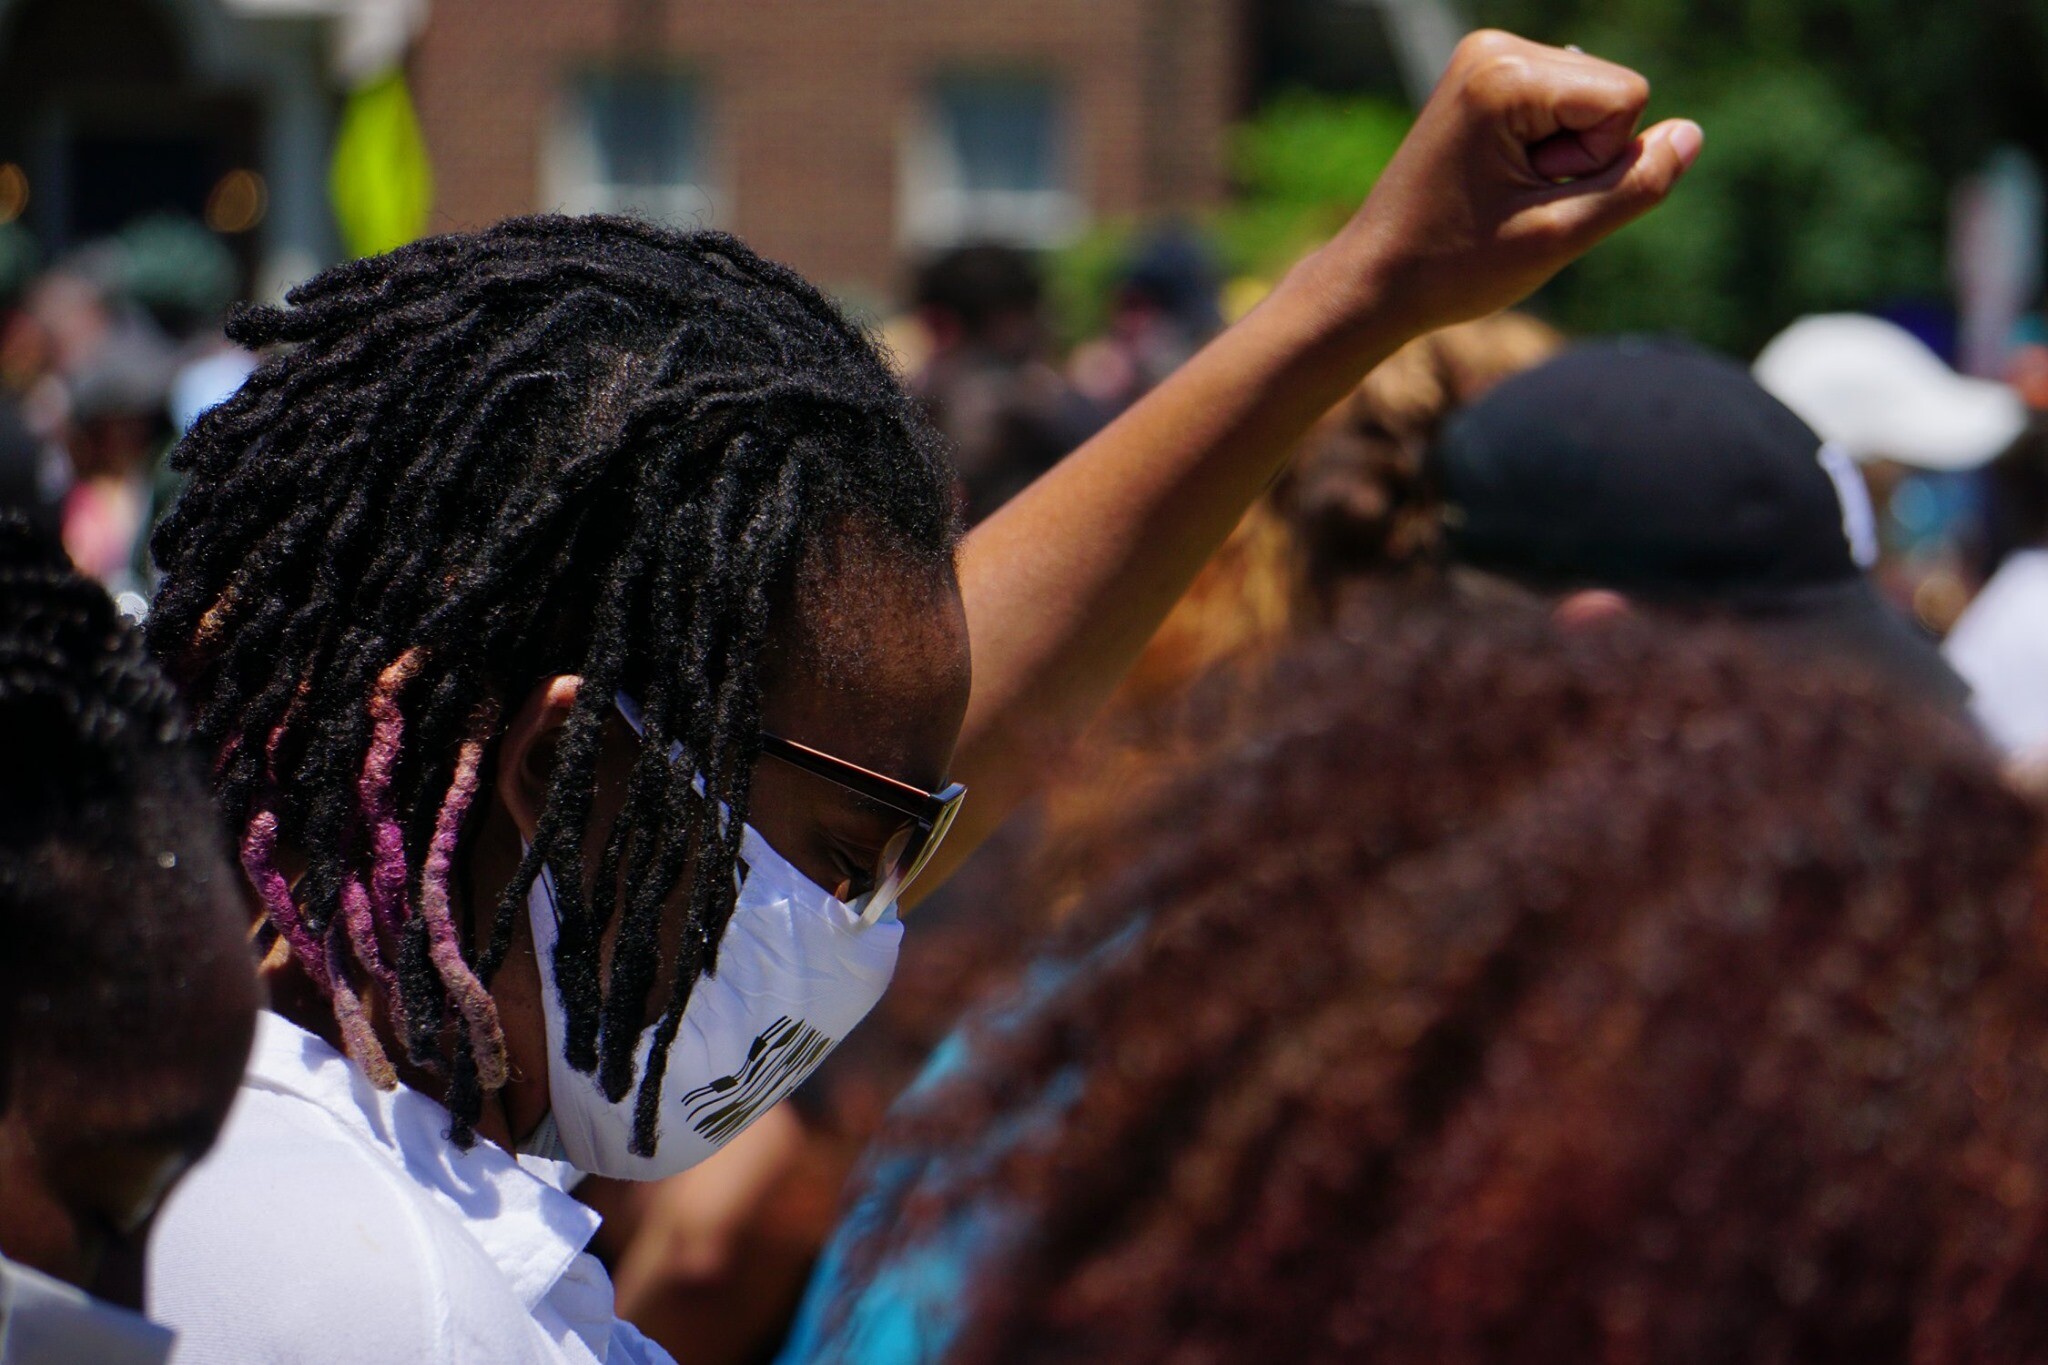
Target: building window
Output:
[(635, 142), (986, 160)]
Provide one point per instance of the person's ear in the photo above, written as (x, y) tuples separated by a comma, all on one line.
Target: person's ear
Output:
[(526, 753), (1589, 607)]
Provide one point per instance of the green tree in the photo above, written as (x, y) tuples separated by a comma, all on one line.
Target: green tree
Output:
[(1298, 169), (1943, 81), (1834, 131), (1798, 208)]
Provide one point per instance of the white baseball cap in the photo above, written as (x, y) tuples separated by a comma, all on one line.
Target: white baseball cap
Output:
[(1874, 389)]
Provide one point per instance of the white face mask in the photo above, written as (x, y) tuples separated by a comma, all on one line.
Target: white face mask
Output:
[(44, 1321), (797, 969)]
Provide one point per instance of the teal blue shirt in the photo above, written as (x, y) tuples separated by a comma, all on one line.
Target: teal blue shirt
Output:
[(914, 1300)]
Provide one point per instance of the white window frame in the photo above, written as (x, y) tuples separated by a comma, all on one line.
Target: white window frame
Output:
[(570, 182), (935, 209)]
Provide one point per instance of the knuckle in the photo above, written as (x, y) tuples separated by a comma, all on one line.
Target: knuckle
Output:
[(1502, 70), (1549, 233), (1480, 47)]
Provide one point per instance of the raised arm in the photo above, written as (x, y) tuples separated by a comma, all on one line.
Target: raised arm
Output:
[(1523, 158)]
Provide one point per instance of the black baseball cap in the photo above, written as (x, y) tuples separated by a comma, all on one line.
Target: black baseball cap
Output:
[(1663, 471)]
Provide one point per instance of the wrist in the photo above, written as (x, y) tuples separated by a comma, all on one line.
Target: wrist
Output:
[(1342, 296)]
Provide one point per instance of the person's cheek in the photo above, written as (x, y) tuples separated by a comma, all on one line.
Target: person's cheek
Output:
[(52, 1241), (37, 1227)]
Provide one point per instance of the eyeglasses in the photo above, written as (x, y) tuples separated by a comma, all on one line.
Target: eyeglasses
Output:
[(929, 815)]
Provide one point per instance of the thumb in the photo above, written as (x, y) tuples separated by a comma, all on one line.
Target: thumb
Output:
[(1587, 210)]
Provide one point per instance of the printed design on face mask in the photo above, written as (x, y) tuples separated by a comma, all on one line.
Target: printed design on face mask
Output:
[(777, 1060)]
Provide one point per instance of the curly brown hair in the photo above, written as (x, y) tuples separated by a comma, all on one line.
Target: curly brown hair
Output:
[(1503, 994), (1351, 521), (1356, 495)]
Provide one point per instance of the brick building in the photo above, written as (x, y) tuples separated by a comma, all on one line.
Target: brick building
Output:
[(843, 136), (838, 135)]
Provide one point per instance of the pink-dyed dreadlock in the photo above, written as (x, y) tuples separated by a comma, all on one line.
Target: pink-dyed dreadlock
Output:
[(444, 945), (377, 914)]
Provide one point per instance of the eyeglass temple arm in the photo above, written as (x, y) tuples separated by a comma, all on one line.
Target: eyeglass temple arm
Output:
[(878, 787)]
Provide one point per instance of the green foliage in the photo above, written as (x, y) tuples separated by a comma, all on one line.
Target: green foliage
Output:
[(1300, 166), (1081, 279), (1797, 207), (1834, 129), (1313, 151)]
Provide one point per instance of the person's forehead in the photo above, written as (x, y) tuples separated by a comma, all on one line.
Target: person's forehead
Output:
[(873, 668), (850, 588)]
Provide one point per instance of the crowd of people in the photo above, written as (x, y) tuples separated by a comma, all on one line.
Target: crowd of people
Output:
[(106, 356), (1422, 838)]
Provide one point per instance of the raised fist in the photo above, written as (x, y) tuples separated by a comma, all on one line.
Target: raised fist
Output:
[(1523, 158)]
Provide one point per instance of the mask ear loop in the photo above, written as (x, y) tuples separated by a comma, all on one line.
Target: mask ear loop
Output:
[(636, 720), (630, 712), (546, 1139)]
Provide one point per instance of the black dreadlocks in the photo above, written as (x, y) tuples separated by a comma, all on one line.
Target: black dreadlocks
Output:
[(561, 445)]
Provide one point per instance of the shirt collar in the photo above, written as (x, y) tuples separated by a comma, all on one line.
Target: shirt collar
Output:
[(518, 1209)]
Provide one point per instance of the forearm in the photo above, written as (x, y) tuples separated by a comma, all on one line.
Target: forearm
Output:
[(1522, 159), (1066, 583)]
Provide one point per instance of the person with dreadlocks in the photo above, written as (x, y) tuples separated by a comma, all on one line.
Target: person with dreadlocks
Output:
[(126, 1002), (575, 612)]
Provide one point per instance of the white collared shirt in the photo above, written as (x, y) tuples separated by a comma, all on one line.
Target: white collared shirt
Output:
[(2000, 646), (335, 1223)]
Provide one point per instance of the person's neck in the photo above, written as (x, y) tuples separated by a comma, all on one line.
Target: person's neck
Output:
[(515, 1111)]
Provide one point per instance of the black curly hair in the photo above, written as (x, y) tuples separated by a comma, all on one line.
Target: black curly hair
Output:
[(115, 883), (562, 445)]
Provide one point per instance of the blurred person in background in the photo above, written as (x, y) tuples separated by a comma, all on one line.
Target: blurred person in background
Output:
[(1880, 393), (1918, 432), (1165, 307), (117, 433), (126, 1000), (1649, 473), (988, 380), (34, 476), (2000, 643), (1358, 495), (109, 354), (1494, 991), (98, 370)]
